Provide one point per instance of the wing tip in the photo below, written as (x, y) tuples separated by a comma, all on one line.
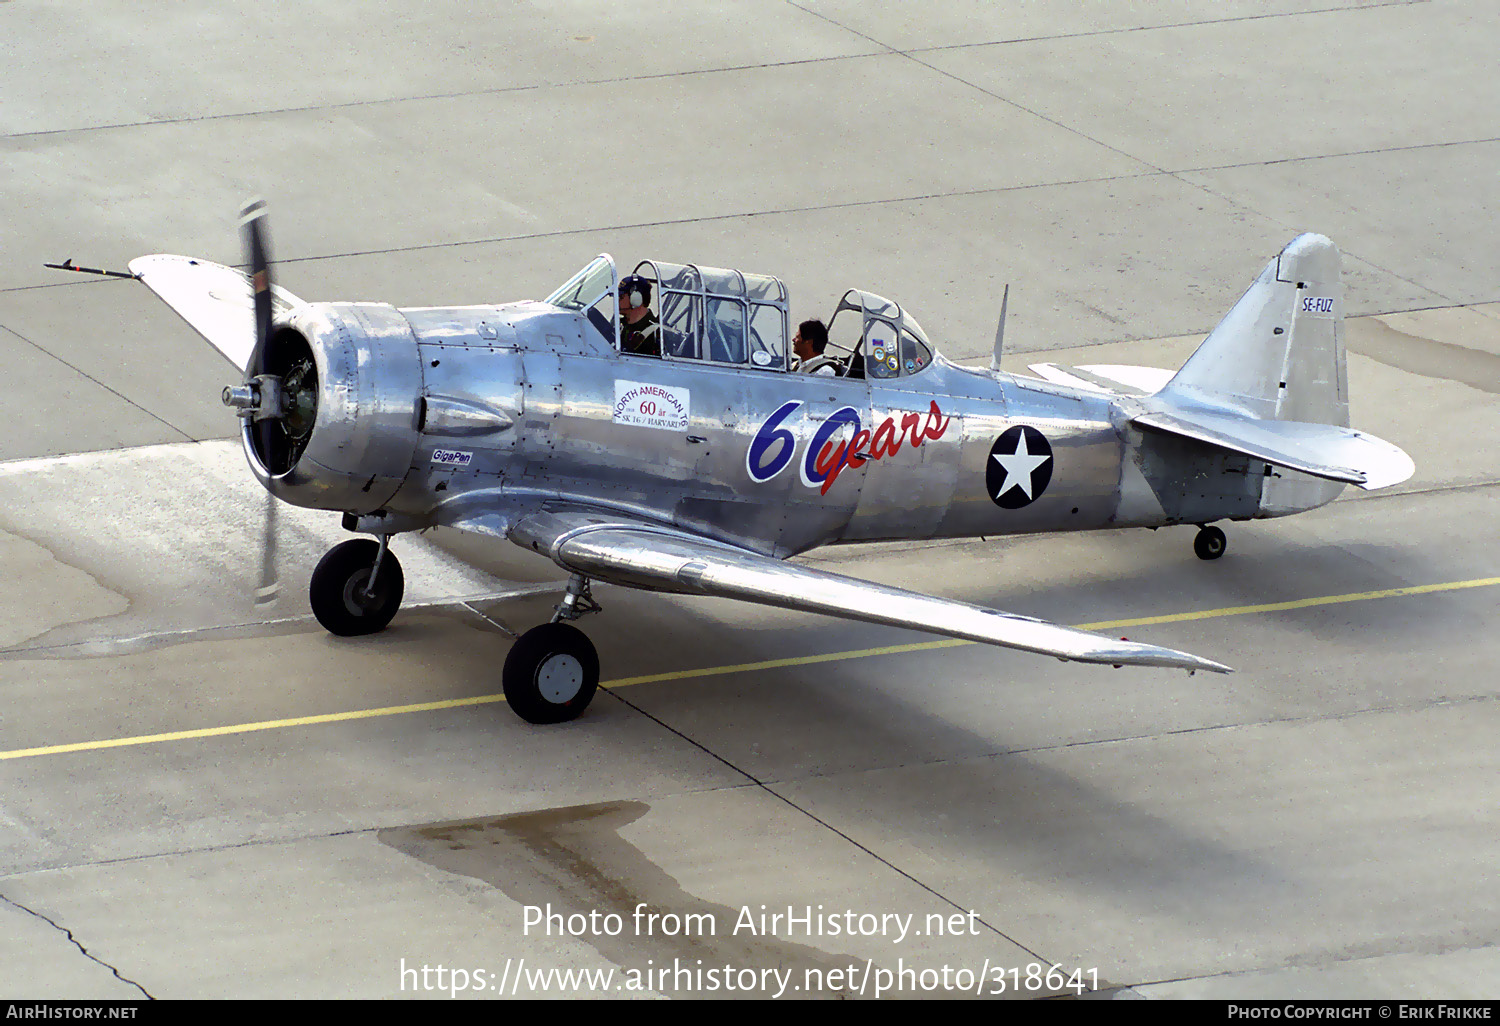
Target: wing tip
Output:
[(1397, 467), (1135, 653), (1192, 663)]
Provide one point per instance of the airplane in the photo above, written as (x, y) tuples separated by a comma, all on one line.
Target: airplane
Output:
[(700, 466)]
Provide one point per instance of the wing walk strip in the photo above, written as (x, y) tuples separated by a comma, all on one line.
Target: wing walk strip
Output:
[(769, 664)]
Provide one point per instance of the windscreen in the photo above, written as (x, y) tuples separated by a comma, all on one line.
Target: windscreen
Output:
[(585, 287)]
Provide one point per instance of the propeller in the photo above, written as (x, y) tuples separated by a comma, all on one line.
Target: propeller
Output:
[(257, 258)]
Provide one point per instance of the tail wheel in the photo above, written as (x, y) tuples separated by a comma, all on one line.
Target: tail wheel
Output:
[(340, 594), (1210, 543), (551, 673)]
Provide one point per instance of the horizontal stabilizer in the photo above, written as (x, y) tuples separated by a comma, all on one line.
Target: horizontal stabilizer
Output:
[(1322, 450), (1110, 378), (215, 300), (643, 555)]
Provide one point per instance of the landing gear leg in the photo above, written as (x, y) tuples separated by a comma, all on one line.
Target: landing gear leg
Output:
[(578, 601), (357, 587), (552, 670), (1210, 543)]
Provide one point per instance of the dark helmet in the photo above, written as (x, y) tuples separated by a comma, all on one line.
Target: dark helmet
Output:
[(636, 290)]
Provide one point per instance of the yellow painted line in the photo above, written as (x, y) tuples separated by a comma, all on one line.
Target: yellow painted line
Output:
[(246, 728), (1101, 625), (1275, 607), (769, 664)]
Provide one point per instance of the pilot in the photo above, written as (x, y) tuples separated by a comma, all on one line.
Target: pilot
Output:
[(638, 326), (809, 342)]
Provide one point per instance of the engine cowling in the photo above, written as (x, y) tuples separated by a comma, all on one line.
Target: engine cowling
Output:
[(343, 425)]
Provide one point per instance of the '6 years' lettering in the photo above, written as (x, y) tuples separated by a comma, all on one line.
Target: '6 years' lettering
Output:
[(772, 449)]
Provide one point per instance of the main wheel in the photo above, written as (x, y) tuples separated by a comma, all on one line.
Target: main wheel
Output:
[(337, 591), (551, 673), (1210, 543)]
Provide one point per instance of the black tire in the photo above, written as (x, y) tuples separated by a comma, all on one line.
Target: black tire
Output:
[(1210, 543), (551, 673), (337, 589)]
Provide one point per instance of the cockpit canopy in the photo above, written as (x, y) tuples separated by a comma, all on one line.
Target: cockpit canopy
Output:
[(721, 316), (877, 338)]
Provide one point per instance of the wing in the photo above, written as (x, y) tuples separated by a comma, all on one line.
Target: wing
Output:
[(644, 555), (215, 300)]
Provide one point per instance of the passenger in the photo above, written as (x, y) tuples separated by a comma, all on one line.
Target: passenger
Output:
[(638, 326), (809, 342)]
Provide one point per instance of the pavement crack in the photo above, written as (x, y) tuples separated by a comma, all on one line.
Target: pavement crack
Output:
[(114, 392), (1153, 169), (458, 94), (207, 849), (1250, 724), (1434, 947), (77, 944), (454, 94), (809, 814), (1120, 739), (1165, 26)]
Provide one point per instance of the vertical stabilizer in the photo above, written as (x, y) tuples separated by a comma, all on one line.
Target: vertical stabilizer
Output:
[(1279, 353)]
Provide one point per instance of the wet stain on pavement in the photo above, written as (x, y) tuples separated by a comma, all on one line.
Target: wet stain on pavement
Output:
[(1372, 337), (576, 860), (42, 593)]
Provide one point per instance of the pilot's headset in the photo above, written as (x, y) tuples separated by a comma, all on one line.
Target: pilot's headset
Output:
[(636, 290)]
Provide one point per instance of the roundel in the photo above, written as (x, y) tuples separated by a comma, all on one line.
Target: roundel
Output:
[(1019, 467)]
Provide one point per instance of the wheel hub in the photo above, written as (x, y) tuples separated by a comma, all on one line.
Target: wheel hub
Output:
[(559, 678), (356, 599)]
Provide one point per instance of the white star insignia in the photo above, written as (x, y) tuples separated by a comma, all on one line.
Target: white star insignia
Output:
[(1018, 467)]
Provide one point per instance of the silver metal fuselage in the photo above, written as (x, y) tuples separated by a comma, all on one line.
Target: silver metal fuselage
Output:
[(461, 416)]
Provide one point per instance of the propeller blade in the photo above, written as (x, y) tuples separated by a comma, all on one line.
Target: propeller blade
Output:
[(258, 259), (269, 588)]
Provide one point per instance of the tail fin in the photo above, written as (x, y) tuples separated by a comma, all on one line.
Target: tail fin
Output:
[(1279, 353), (1269, 383)]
